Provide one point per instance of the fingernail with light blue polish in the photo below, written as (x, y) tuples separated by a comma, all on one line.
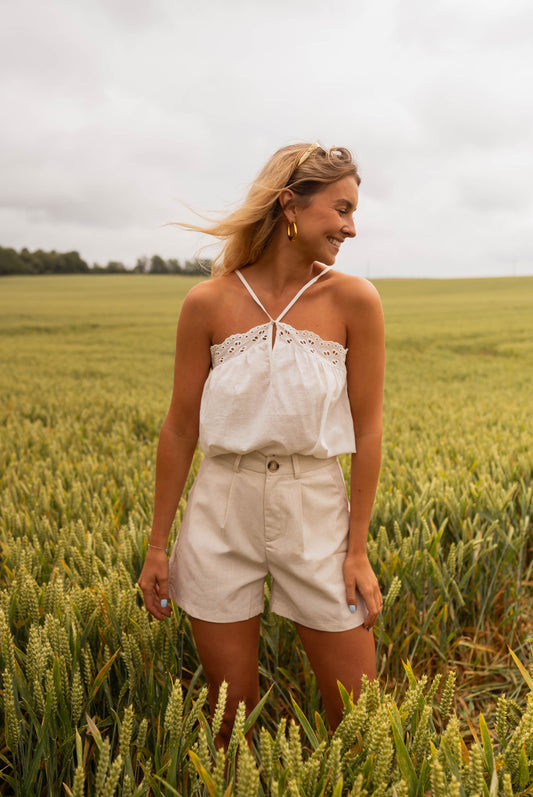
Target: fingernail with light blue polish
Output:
[(352, 608), (164, 603)]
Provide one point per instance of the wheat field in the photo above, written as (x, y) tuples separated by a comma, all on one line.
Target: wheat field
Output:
[(98, 698)]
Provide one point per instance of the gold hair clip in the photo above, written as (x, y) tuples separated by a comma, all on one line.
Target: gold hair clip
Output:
[(309, 151)]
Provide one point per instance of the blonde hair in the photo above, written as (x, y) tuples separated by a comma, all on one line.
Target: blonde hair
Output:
[(247, 231)]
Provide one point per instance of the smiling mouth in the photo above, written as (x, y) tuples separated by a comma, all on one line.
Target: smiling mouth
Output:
[(335, 242)]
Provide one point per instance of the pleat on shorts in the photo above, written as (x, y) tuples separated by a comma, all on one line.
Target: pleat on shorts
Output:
[(251, 515)]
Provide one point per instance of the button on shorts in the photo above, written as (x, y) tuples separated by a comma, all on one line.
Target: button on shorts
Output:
[(251, 515)]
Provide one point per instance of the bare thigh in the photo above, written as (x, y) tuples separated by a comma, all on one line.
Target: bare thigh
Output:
[(228, 652), (343, 656)]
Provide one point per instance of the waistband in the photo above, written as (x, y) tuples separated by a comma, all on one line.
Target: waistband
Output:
[(270, 464)]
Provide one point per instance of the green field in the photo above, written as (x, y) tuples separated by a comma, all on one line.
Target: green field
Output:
[(93, 689)]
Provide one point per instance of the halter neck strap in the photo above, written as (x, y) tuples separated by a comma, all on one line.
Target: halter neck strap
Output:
[(291, 303), (252, 294)]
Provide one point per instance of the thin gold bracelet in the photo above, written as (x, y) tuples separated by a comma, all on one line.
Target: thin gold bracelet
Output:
[(157, 547)]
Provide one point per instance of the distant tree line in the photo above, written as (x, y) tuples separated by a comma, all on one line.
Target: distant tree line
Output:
[(39, 262)]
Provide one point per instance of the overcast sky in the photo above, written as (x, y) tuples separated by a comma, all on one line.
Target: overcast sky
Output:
[(116, 112)]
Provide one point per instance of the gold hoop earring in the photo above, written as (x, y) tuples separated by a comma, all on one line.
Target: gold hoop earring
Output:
[(292, 234)]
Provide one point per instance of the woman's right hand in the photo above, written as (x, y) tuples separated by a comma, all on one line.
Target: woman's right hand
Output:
[(154, 583)]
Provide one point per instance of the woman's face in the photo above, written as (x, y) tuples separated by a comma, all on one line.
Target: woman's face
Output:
[(327, 221)]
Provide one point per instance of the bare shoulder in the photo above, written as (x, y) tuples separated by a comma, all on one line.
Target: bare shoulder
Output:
[(204, 299), (355, 295), (201, 295), (359, 304)]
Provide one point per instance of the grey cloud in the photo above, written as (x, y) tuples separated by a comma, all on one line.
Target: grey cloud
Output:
[(116, 111), (460, 113), (498, 182)]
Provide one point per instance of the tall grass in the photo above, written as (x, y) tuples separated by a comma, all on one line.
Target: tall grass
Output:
[(97, 698)]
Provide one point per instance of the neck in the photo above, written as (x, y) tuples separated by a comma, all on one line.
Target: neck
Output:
[(281, 267)]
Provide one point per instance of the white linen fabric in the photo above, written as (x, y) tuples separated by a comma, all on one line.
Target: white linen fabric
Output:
[(277, 390), (253, 515)]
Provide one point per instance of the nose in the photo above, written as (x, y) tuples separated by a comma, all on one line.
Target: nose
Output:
[(349, 228)]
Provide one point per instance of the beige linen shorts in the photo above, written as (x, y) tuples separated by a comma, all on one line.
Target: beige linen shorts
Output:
[(251, 515)]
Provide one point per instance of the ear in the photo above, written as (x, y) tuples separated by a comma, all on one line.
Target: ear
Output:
[(287, 200)]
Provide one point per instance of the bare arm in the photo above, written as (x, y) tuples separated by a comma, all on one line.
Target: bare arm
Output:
[(177, 443), (365, 369)]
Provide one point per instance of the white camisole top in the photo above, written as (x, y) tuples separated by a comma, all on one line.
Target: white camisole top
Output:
[(278, 390)]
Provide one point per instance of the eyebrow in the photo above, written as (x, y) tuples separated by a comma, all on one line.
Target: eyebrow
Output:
[(347, 202)]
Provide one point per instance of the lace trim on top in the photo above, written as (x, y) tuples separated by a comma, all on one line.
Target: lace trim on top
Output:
[(234, 345)]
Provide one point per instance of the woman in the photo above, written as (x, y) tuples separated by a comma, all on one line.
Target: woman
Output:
[(279, 368)]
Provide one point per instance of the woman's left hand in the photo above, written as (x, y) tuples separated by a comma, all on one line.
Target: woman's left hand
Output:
[(358, 575), (154, 583)]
